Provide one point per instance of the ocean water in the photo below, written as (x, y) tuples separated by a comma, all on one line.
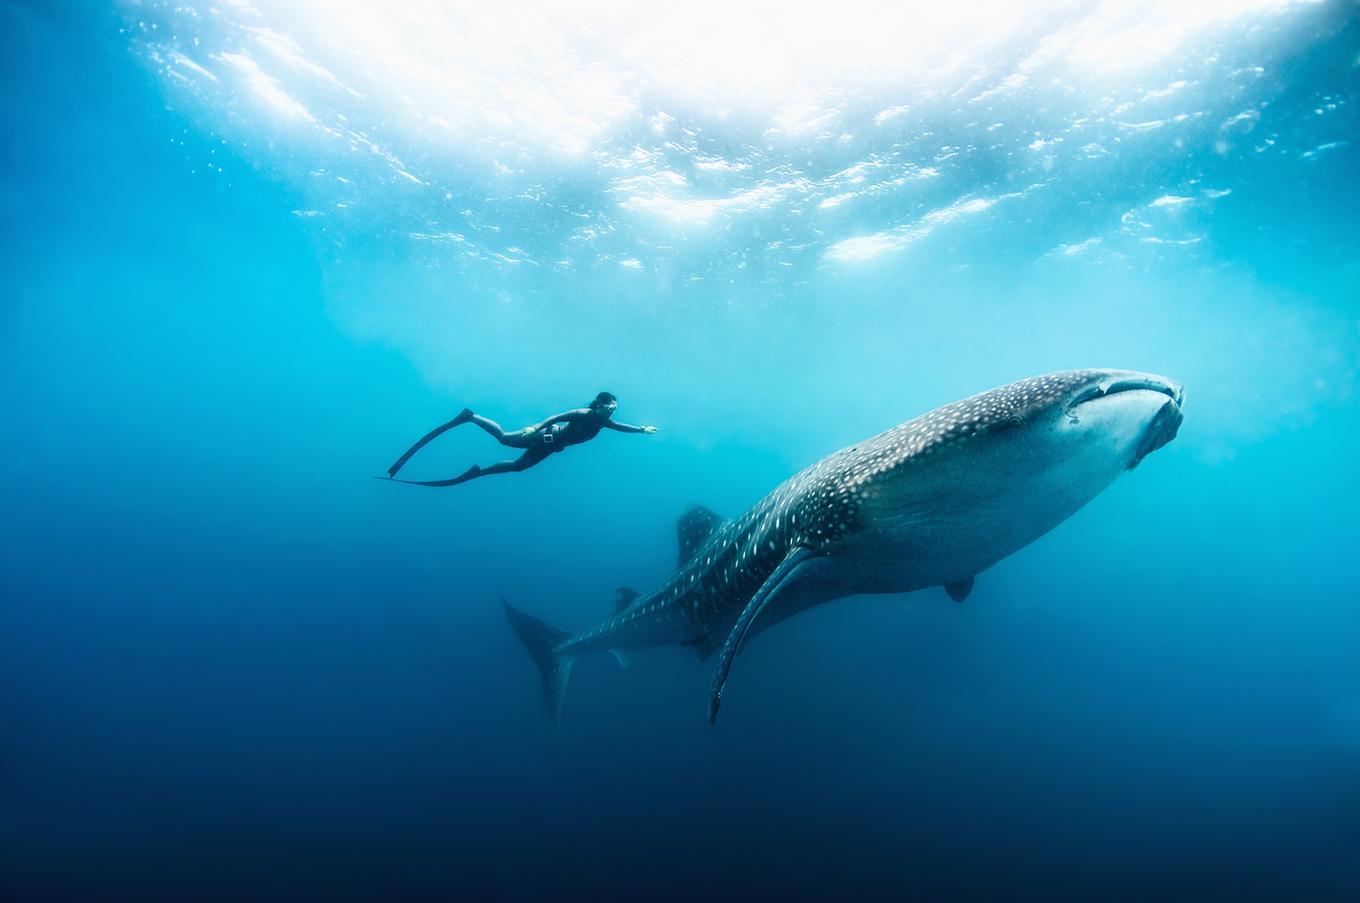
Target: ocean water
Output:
[(252, 252)]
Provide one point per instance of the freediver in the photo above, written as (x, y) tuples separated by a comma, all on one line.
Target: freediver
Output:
[(538, 441)]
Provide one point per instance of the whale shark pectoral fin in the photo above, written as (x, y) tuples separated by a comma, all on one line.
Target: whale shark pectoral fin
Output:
[(959, 589), (703, 645), (780, 578)]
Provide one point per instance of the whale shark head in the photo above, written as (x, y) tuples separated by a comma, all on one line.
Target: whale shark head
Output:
[(1117, 417), (990, 473), (1120, 416)]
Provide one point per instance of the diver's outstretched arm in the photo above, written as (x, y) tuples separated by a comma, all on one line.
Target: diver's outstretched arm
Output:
[(628, 427)]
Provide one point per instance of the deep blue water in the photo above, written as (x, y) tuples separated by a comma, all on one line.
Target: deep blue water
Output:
[(236, 667)]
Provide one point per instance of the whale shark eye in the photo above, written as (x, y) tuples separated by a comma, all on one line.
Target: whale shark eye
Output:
[(1001, 426)]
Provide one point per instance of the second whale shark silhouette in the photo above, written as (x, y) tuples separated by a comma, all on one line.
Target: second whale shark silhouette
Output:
[(931, 502)]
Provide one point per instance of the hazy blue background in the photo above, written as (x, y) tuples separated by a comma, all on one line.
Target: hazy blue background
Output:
[(247, 259)]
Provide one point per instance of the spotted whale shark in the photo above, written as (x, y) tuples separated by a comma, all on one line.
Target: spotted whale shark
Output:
[(931, 502)]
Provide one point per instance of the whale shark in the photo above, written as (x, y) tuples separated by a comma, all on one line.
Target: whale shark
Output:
[(931, 502)]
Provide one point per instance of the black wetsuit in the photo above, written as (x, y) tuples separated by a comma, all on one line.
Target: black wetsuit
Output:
[(538, 441)]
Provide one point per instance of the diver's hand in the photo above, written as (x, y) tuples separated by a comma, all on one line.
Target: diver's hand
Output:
[(649, 429), (527, 432)]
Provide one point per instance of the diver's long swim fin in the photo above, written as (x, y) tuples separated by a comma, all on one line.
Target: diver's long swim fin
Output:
[(470, 473), (768, 590), (425, 440), (450, 482)]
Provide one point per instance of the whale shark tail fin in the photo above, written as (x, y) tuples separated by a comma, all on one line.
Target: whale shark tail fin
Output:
[(542, 640)]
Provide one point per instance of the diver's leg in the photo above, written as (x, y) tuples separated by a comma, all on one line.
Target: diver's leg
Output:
[(531, 456), (514, 440)]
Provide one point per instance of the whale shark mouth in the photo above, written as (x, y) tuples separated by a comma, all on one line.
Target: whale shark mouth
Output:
[(1114, 386)]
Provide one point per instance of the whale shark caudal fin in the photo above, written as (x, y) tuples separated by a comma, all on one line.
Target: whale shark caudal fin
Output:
[(692, 529), (777, 580), (544, 643)]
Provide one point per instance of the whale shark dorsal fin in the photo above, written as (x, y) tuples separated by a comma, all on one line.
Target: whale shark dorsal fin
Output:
[(694, 527), (959, 589), (624, 597), (778, 579)]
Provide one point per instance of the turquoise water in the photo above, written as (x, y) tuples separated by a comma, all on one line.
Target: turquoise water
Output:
[(252, 253)]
